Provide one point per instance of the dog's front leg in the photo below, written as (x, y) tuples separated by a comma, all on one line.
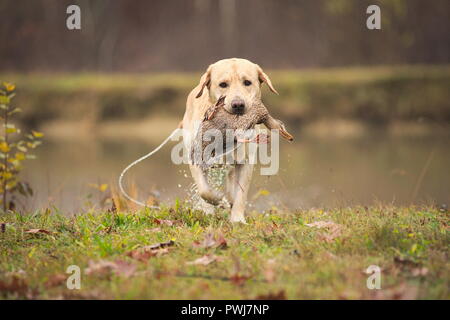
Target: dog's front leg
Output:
[(241, 178), (230, 185), (206, 192)]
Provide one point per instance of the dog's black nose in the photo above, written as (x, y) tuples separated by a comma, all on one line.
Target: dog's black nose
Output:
[(237, 106)]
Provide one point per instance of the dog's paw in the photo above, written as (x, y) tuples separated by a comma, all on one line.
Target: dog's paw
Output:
[(211, 196)]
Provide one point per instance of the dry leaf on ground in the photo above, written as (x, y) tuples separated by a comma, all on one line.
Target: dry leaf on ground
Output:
[(403, 291), (159, 245), (167, 222), (18, 286), (153, 230), (205, 260), (55, 280), (280, 295), (34, 231), (143, 254), (334, 230), (211, 241), (103, 267), (238, 279)]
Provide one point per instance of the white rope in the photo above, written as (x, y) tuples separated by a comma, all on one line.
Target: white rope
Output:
[(126, 195), (135, 163)]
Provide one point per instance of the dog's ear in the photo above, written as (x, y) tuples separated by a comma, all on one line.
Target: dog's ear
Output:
[(205, 81), (265, 78)]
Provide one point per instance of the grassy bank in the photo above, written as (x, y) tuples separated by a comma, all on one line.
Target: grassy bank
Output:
[(376, 95), (277, 255)]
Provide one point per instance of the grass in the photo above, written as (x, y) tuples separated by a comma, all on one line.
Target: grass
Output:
[(276, 255)]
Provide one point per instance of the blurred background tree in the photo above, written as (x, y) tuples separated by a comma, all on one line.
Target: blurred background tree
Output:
[(160, 35)]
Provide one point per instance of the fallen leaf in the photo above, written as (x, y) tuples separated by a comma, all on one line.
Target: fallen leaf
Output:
[(34, 231), (95, 294), (160, 245), (119, 267), (238, 279), (334, 230), (167, 222), (271, 229), (280, 295), (211, 241), (205, 260), (124, 268), (143, 255), (55, 280), (18, 286), (400, 292)]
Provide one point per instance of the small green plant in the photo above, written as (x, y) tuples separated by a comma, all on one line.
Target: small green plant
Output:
[(14, 149)]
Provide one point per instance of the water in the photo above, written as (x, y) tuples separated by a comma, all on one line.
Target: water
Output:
[(314, 172)]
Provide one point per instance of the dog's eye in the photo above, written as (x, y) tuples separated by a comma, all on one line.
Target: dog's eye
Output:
[(247, 83), (223, 84)]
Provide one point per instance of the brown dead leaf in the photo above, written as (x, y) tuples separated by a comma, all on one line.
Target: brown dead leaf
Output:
[(334, 230), (211, 241), (271, 229), (205, 260), (143, 254), (124, 268), (55, 280), (160, 245), (93, 294), (400, 292), (166, 222), (238, 279), (103, 267), (17, 286), (34, 231), (280, 295)]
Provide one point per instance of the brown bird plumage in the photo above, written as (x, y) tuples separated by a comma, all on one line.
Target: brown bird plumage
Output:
[(218, 118)]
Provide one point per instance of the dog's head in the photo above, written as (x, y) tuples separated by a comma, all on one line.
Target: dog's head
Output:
[(239, 80)]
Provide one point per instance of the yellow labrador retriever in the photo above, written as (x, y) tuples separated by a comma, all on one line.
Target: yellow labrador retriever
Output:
[(239, 81)]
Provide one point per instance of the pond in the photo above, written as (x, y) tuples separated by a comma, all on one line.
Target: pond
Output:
[(314, 172)]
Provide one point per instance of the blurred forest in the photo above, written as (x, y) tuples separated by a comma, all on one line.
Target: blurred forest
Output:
[(161, 35)]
